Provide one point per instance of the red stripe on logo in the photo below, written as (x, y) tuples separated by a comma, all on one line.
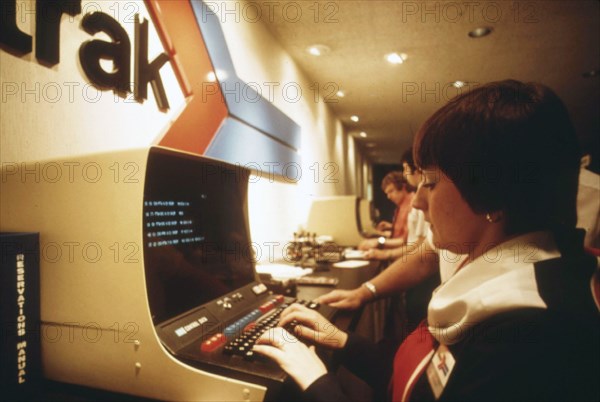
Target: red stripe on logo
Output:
[(205, 108)]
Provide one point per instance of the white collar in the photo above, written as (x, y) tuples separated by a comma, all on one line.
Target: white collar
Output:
[(500, 280)]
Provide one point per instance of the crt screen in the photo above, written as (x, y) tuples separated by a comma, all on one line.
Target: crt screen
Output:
[(196, 240)]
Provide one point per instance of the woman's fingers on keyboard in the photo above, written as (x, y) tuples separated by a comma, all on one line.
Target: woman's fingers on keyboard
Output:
[(303, 316), (294, 357), (292, 308), (277, 337), (272, 342), (306, 334)]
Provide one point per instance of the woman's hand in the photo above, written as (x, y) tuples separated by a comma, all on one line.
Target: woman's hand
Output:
[(346, 299), (383, 226), (293, 356), (375, 254), (367, 244), (313, 327)]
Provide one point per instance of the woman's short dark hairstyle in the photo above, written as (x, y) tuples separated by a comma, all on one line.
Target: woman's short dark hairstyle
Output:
[(507, 146), (395, 178)]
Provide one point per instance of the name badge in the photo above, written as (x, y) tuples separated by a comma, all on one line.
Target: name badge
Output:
[(439, 370)]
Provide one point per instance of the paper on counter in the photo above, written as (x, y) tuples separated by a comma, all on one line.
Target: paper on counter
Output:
[(352, 254), (351, 264), (283, 271)]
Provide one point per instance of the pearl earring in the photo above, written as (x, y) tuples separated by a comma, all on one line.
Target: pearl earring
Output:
[(490, 219)]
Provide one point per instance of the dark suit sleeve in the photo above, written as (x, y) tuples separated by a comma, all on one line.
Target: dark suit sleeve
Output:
[(325, 389), (367, 361), (363, 359)]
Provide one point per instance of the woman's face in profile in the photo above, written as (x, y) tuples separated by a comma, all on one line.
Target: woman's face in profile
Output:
[(454, 225)]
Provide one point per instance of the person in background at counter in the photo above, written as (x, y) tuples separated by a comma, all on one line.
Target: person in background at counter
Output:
[(398, 191), (517, 319), (416, 226)]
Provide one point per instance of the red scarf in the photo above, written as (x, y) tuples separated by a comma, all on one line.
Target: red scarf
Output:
[(410, 362)]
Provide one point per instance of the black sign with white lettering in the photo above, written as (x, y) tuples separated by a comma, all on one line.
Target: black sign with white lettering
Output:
[(19, 315)]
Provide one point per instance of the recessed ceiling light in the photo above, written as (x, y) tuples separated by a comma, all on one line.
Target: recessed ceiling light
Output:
[(354, 118), (318, 50), (458, 84), (395, 58), (590, 74), (340, 94), (480, 32), (363, 134)]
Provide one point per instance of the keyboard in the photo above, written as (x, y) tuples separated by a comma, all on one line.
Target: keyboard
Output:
[(242, 344), (217, 337), (227, 350)]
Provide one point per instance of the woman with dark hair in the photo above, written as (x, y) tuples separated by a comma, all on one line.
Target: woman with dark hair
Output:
[(516, 320)]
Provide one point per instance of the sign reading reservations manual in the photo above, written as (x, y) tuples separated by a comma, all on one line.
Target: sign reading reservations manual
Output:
[(19, 314)]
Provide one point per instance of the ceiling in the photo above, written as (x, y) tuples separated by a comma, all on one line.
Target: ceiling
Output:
[(552, 42)]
